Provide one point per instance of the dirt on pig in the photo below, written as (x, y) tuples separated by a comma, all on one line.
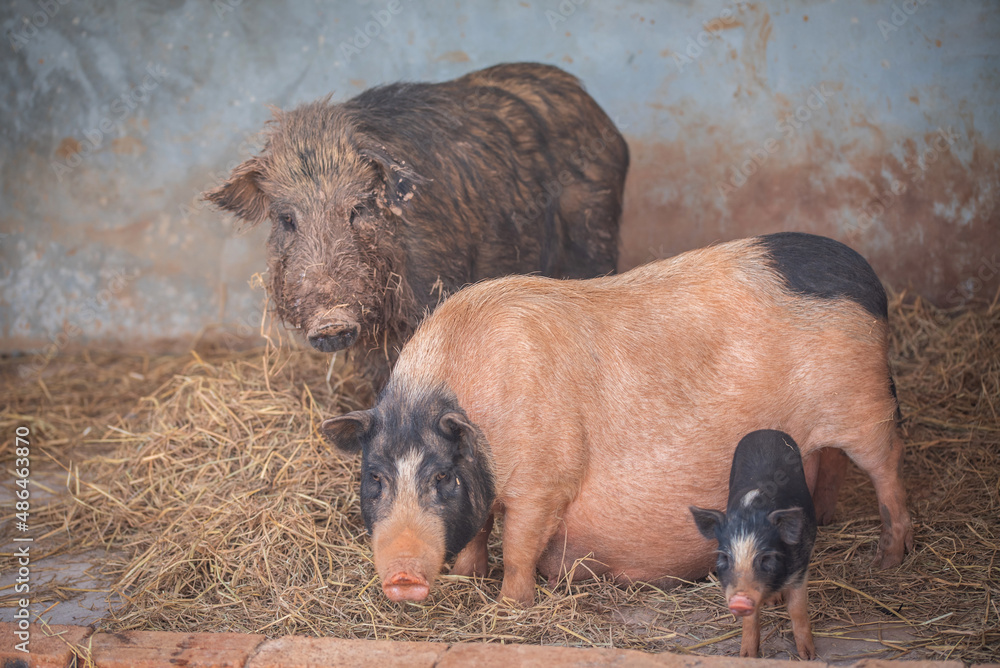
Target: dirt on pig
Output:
[(207, 474)]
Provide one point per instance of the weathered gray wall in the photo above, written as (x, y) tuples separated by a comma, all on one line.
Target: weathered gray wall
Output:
[(873, 122)]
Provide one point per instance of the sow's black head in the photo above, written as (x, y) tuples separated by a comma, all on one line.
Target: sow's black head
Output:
[(429, 438), (767, 533)]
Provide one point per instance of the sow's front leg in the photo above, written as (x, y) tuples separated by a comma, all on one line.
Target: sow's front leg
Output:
[(528, 526), (473, 560)]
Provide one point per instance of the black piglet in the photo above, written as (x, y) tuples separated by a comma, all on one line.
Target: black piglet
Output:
[(765, 536)]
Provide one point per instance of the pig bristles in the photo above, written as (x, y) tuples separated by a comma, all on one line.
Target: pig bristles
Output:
[(209, 497)]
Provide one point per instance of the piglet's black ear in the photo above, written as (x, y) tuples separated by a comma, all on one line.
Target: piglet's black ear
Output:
[(707, 521), (789, 522), (345, 431), (241, 194)]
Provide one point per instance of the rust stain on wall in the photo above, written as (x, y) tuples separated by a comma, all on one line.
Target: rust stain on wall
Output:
[(67, 148), (929, 221)]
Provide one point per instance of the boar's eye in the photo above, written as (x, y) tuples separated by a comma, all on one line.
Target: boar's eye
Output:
[(353, 216), (376, 482), (287, 221)]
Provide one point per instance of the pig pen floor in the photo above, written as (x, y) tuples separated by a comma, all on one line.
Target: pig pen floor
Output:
[(193, 493)]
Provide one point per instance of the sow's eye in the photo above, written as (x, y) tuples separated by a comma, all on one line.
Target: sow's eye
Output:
[(446, 483), (287, 221)]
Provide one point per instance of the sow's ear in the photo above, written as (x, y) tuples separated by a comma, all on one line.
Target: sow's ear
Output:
[(399, 182), (789, 522), (707, 521), (345, 431), (241, 194), (455, 427)]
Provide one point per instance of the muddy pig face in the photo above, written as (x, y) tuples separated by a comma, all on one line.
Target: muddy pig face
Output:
[(333, 197), (426, 488), (757, 554)]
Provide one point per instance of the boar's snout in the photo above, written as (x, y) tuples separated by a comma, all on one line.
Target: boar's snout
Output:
[(331, 336)]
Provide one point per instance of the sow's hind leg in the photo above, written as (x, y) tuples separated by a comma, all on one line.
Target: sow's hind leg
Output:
[(878, 450)]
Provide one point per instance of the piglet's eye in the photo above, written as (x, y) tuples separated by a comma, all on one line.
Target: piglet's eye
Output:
[(768, 563), (722, 563)]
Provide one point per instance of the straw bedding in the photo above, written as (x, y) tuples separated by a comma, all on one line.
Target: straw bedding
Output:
[(221, 508)]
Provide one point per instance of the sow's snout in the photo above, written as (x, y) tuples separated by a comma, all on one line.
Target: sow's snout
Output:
[(408, 556), (333, 334)]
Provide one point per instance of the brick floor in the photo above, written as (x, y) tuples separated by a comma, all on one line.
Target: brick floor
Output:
[(50, 648)]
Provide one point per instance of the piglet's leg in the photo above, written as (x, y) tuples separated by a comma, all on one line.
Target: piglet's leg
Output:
[(882, 459), (798, 611), (750, 644), (528, 526), (473, 559)]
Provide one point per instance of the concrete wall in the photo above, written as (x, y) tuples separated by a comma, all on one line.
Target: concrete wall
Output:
[(873, 122)]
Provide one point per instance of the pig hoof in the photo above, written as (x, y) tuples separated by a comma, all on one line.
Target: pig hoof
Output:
[(807, 652), (824, 516), (890, 552)]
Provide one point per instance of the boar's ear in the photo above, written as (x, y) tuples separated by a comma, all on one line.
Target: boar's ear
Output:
[(455, 427), (789, 522), (707, 521), (399, 181), (345, 431), (241, 194)]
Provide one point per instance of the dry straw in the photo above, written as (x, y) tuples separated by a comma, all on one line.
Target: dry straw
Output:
[(220, 507)]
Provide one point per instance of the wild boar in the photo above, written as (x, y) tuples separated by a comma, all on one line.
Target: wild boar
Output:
[(765, 537), (384, 204), (592, 413)]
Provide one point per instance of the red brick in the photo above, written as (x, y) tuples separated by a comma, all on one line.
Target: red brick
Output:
[(489, 655), (301, 652), (146, 649), (49, 646)]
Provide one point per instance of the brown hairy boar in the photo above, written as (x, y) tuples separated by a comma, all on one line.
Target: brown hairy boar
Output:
[(385, 203), (593, 413)]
